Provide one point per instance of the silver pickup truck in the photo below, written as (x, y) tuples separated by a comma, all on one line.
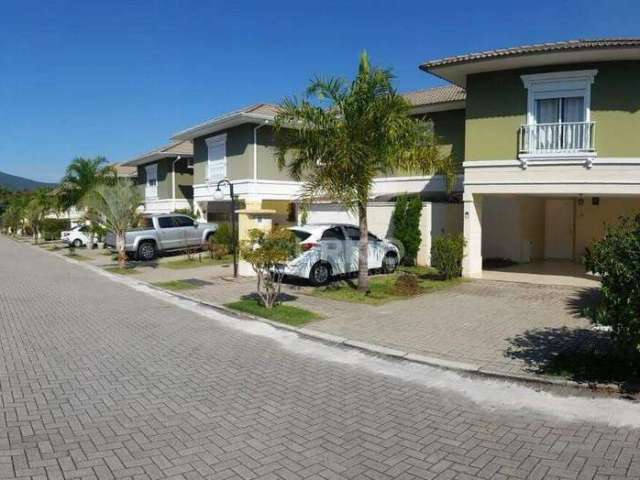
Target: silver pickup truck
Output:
[(164, 233)]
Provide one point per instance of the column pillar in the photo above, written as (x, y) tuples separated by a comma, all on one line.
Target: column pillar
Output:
[(472, 261)]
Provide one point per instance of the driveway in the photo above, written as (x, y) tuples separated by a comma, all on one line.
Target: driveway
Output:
[(101, 381)]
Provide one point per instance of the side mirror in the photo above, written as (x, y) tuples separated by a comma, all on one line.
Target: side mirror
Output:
[(195, 224)]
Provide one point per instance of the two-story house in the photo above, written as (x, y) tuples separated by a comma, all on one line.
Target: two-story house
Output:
[(552, 146), (240, 146), (165, 177)]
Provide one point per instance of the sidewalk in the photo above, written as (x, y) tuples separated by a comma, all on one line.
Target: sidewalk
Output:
[(499, 327)]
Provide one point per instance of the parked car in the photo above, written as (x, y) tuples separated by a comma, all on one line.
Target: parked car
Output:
[(164, 233), (78, 236), (330, 250)]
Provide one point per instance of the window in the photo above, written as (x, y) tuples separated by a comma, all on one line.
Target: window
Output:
[(145, 222), (216, 158), (334, 233), (353, 233), (166, 222), (301, 235), (183, 221), (151, 187), (190, 163), (558, 112)]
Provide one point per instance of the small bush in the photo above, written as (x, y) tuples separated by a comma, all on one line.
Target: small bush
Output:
[(447, 252), (616, 258), (406, 226), (51, 228), (217, 251), (407, 284), (224, 236)]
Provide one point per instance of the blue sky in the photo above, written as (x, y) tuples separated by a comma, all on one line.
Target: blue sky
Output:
[(117, 78)]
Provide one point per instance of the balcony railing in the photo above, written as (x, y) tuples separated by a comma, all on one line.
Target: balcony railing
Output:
[(557, 138)]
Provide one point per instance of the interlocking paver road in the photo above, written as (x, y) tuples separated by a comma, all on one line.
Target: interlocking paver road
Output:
[(99, 381)]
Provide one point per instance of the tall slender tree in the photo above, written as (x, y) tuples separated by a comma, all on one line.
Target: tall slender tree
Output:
[(116, 203), (342, 135), (81, 177)]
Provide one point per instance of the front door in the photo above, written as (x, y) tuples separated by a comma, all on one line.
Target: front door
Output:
[(558, 233)]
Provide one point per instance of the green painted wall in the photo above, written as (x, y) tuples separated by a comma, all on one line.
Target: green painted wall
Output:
[(184, 179), (496, 107), (449, 127), (267, 164), (239, 154)]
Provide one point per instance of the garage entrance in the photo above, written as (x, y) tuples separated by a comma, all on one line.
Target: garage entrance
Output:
[(542, 239)]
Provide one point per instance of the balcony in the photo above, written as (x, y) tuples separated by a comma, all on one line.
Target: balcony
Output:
[(557, 139)]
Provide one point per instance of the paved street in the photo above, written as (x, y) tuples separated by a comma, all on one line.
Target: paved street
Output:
[(101, 381)]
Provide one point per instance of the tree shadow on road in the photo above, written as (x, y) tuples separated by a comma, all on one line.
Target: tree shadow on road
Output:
[(579, 354)]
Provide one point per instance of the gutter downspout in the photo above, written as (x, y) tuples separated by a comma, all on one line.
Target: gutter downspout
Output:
[(173, 180), (255, 149)]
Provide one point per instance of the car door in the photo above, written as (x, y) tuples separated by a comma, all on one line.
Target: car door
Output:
[(375, 252), (168, 233), (332, 249), (190, 234), (352, 244)]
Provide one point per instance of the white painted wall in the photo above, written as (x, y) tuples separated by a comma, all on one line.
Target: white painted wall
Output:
[(436, 219), (513, 227)]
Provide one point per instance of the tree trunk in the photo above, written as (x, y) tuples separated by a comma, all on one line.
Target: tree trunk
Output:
[(363, 249), (122, 255)]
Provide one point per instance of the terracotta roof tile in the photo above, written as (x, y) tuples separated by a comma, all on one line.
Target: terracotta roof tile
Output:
[(536, 48), (432, 96)]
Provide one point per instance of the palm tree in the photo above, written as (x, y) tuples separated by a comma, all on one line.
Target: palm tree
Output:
[(341, 136), (40, 204), (116, 203), (81, 176)]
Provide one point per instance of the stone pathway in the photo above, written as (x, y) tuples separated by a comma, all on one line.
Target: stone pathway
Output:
[(99, 381)]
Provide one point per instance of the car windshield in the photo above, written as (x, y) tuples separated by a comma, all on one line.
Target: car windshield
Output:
[(301, 235)]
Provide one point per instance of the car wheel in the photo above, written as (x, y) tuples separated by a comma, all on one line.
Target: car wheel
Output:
[(320, 274), (77, 243), (146, 251), (389, 263)]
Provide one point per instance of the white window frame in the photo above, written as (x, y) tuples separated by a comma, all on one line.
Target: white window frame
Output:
[(575, 83), (214, 142), (151, 191)]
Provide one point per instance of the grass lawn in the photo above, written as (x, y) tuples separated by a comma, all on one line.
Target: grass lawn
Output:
[(203, 261), (122, 270), (177, 285), (288, 314), (381, 287)]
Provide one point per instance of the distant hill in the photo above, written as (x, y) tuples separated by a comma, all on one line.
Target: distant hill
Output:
[(13, 182)]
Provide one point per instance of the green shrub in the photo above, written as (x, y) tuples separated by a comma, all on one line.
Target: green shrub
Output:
[(51, 228), (223, 236), (406, 226), (447, 252), (616, 258), (407, 284)]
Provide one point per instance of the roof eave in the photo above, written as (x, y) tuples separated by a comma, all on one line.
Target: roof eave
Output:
[(221, 124), (153, 157), (457, 72), (438, 107)]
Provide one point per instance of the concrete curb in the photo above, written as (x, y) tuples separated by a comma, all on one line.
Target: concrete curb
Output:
[(372, 349)]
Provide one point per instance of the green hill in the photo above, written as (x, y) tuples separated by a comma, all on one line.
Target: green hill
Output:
[(13, 182)]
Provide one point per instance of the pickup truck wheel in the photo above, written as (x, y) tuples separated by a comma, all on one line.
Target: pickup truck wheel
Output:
[(77, 243), (146, 251)]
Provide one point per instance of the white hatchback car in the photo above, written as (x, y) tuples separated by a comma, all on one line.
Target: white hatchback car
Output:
[(78, 236), (330, 250)]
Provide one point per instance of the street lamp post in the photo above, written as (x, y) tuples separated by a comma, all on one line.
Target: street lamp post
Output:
[(234, 242)]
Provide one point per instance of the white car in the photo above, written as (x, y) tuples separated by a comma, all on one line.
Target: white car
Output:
[(330, 250), (78, 236)]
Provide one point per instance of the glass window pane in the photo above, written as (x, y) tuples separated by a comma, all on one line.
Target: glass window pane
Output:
[(353, 233), (548, 110), (573, 109), (165, 222), (334, 233)]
